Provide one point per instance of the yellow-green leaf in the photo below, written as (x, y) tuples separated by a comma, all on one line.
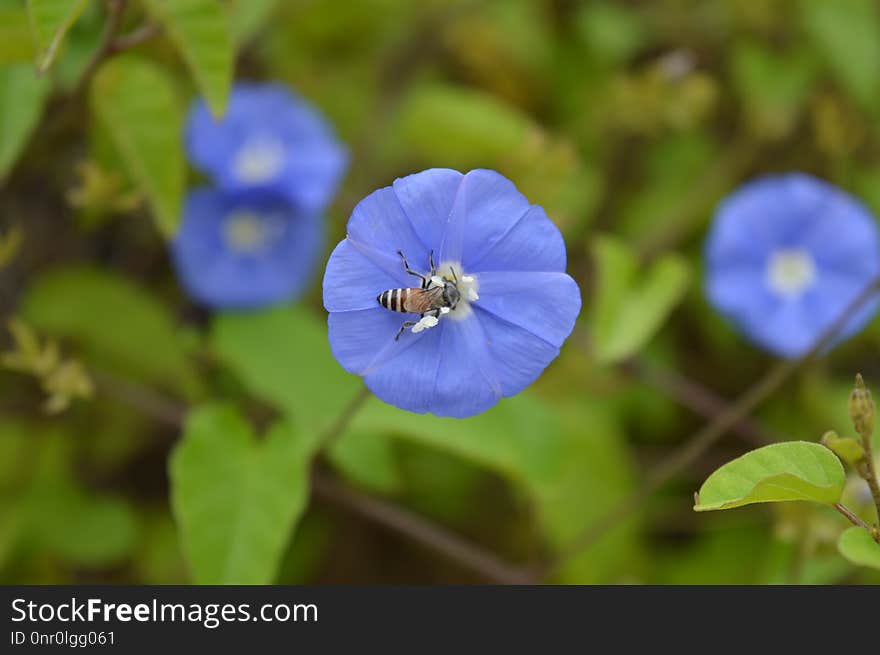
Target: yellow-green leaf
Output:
[(200, 31), (22, 96), (796, 470), (16, 43), (856, 545), (50, 20), (136, 104)]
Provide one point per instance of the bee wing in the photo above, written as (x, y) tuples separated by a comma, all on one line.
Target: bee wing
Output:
[(419, 301)]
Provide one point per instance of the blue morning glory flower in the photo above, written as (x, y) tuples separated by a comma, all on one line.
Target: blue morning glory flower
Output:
[(244, 250), (786, 255), (513, 304), (268, 138)]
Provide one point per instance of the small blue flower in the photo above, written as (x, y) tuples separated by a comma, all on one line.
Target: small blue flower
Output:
[(786, 255), (515, 304), (268, 138), (245, 249)]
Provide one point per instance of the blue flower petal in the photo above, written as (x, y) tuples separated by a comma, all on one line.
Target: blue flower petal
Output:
[(352, 281), (791, 213), (363, 341), (545, 304), (534, 243), (446, 371), (427, 199), (486, 207), (215, 274), (518, 355), (307, 161), (527, 305), (378, 228)]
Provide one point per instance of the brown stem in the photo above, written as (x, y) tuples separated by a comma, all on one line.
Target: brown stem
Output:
[(434, 537), (694, 447), (695, 397), (134, 38), (115, 14), (851, 517), (871, 472), (143, 399)]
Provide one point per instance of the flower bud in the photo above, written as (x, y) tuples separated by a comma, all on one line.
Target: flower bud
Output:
[(861, 408)]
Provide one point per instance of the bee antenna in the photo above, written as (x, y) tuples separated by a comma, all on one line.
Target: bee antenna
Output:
[(454, 276)]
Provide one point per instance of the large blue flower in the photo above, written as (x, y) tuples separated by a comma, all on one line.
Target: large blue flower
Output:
[(517, 304), (244, 249), (269, 138), (786, 255)]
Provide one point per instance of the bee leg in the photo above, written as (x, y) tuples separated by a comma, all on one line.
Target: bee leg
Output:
[(454, 276), (412, 272), (431, 261), (405, 325)]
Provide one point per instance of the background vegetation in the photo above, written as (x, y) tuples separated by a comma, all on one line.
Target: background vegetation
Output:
[(627, 121)]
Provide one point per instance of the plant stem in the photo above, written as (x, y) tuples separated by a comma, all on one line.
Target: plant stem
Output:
[(851, 517), (115, 15), (695, 397), (694, 447), (340, 425), (434, 537), (871, 473)]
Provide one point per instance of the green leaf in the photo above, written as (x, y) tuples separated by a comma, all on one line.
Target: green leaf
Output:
[(236, 499), (367, 459), (247, 17), (50, 20), (627, 311), (282, 355), (58, 514), (118, 324), (847, 34), (16, 42), (136, 104), (200, 31), (857, 545), (773, 89), (22, 96), (796, 470)]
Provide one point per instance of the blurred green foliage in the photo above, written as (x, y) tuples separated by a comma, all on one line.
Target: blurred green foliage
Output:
[(626, 120)]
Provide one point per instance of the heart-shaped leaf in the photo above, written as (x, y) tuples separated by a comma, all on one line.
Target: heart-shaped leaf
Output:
[(50, 20), (236, 499), (796, 470), (200, 31), (628, 311), (135, 102), (859, 547)]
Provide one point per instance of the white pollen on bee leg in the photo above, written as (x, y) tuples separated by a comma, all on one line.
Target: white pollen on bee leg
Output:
[(445, 310), (424, 323)]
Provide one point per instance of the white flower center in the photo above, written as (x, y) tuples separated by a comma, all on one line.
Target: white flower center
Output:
[(247, 232), (468, 286), (259, 161), (790, 272)]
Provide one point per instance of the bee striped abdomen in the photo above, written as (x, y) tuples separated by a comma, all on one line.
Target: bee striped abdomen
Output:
[(394, 299)]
